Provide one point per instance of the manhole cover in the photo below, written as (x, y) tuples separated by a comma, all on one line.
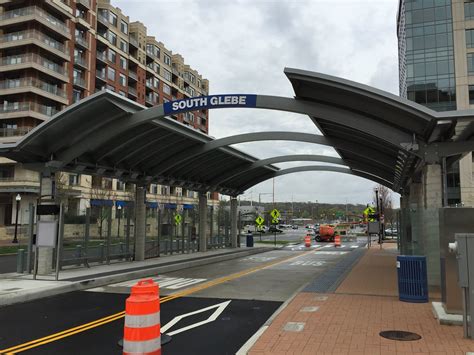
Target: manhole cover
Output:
[(399, 335)]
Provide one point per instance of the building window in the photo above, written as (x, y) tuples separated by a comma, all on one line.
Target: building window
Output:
[(165, 190), (156, 82), (111, 73), (471, 96), (167, 59), (112, 56), (124, 27), (74, 179), (123, 63), (470, 38), (113, 18), (123, 46), (110, 87), (122, 79), (112, 38), (156, 68), (469, 10), (167, 74), (470, 63), (76, 95), (166, 89), (122, 93)]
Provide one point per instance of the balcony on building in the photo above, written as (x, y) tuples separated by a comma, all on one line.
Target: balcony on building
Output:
[(21, 38), (82, 41), (28, 109), (101, 75), (84, 3), (133, 41), (132, 75), (81, 61), (36, 61), (132, 92), (35, 85), (102, 57), (37, 14), (79, 81)]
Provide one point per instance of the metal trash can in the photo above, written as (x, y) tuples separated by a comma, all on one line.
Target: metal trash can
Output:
[(412, 278), (249, 240)]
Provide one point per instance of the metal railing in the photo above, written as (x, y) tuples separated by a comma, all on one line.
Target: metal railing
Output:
[(132, 74), (82, 41), (133, 41), (102, 56), (132, 91), (86, 3), (28, 106), (34, 58), (103, 19), (33, 34), (32, 82), (81, 61), (79, 81), (100, 74), (34, 10), (12, 132)]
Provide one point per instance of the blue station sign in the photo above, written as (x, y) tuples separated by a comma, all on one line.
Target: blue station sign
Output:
[(209, 102)]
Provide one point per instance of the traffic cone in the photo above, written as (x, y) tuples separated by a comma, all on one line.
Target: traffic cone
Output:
[(337, 241), (142, 320), (307, 241)]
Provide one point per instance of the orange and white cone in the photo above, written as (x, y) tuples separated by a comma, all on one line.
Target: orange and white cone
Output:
[(141, 334), (307, 241), (337, 241)]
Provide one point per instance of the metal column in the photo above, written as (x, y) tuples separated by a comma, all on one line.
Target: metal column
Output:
[(202, 221), (140, 221), (233, 222)]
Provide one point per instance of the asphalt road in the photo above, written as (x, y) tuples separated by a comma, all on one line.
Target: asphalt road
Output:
[(251, 288)]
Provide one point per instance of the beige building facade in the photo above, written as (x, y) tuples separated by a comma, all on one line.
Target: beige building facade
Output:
[(57, 52)]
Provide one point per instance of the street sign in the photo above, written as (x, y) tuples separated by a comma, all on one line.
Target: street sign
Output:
[(275, 221), (178, 219), (259, 220), (275, 213), (369, 210)]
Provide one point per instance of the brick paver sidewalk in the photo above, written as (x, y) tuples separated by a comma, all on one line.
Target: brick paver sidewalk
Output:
[(350, 320)]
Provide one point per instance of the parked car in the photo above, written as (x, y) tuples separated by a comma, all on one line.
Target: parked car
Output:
[(294, 227), (391, 232), (274, 229)]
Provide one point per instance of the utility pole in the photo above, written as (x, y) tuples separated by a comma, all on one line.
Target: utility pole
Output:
[(273, 194)]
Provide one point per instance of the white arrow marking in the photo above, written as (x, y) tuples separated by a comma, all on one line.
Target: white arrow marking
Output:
[(354, 246), (219, 309)]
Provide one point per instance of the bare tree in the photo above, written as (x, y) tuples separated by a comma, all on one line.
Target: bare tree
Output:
[(385, 202), (100, 190)]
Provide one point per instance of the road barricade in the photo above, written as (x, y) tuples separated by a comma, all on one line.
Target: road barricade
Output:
[(337, 241), (307, 241), (142, 320)]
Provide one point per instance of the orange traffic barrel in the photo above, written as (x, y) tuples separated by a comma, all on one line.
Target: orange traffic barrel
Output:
[(142, 320), (337, 241), (307, 241)]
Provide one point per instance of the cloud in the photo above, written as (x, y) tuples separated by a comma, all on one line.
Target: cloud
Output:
[(242, 46)]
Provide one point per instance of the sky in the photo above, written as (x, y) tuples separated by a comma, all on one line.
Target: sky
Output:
[(243, 46)]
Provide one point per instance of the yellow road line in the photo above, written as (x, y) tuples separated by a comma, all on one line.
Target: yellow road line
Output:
[(81, 328)]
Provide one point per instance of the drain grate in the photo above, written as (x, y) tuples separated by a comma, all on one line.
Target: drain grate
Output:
[(399, 335)]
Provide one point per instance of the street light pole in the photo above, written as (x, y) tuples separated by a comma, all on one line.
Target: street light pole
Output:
[(18, 199)]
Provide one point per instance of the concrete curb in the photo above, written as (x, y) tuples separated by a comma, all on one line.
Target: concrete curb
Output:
[(253, 339), (443, 317), (68, 286)]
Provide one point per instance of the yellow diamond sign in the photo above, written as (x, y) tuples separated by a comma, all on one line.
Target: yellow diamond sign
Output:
[(275, 213), (259, 220), (178, 219)]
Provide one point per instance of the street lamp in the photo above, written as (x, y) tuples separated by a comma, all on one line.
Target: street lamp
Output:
[(18, 199), (119, 211)]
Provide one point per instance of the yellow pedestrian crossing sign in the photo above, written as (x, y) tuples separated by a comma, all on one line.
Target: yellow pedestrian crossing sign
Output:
[(369, 210), (275, 213), (259, 220), (275, 221), (178, 219)]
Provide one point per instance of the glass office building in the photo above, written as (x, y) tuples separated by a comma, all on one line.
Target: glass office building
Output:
[(435, 61)]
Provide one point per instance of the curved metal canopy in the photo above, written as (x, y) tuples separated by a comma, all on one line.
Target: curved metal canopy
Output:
[(378, 135)]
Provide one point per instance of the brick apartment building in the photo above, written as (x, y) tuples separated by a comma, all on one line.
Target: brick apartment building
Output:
[(56, 52)]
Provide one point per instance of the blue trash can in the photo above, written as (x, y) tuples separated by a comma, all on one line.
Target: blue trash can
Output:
[(249, 240), (412, 279)]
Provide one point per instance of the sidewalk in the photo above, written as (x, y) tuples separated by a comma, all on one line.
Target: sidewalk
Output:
[(17, 288), (349, 321)]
